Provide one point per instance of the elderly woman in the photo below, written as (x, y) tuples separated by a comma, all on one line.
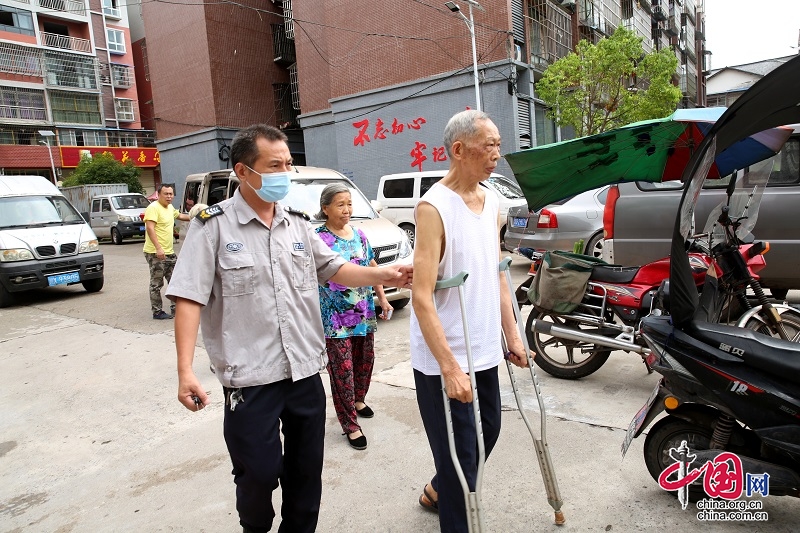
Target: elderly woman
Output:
[(348, 315)]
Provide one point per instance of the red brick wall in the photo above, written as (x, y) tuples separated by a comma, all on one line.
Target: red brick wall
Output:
[(177, 51), (349, 46), (242, 66), (144, 89)]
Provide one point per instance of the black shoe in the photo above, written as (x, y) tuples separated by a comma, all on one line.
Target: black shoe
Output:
[(161, 315), (366, 412), (359, 443)]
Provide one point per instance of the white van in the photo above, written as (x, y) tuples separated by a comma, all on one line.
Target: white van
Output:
[(118, 216), (387, 240), (399, 193), (44, 241)]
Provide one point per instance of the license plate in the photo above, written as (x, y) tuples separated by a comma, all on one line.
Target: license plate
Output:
[(60, 279), (518, 222), (638, 420)]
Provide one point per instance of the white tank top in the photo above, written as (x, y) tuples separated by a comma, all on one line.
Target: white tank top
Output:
[(472, 245)]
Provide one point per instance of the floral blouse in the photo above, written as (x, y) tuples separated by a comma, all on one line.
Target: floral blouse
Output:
[(347, 311)]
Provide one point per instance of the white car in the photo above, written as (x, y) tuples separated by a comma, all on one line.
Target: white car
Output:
[(399, 193)]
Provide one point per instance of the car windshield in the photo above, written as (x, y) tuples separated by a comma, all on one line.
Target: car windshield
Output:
[(29, 211), (304, 196), (133, 201), (505, 187)]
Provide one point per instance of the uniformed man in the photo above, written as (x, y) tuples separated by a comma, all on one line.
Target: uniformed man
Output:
[(248, 272)]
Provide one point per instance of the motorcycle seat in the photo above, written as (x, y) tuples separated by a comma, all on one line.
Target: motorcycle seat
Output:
[(774, 356), (613, 273)]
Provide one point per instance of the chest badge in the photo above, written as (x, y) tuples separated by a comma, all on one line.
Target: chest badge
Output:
[(234, 246), (298, 246)]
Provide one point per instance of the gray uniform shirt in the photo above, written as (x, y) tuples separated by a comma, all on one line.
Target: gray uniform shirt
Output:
[(261, 320)]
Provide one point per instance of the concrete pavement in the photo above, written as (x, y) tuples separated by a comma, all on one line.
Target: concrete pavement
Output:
[(94, 439)]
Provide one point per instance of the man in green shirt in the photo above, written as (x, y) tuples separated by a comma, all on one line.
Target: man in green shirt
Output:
[(159, 221)]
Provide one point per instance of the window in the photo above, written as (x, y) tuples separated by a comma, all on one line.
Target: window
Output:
[(75, 108), (125, 112), (426, 183), (545, 127), (105, 205), (127, 139), (16, 20), (116, 41), (787, 169), (399, 188), (122, 75), (111, 8), (93, 138), (67, 138), (63, 69), (20, 59), (22, 104)]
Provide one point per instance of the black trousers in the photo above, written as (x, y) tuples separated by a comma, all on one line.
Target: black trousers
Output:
[(452, 510), (260, 463)]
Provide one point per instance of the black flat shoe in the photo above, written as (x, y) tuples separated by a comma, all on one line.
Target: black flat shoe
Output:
[(359, 443), (366, 412)]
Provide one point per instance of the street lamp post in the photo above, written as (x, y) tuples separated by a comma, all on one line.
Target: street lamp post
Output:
[(47, 134), (452, 6)]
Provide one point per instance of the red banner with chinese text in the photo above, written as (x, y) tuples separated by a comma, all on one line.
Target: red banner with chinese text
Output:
[(140, 157)]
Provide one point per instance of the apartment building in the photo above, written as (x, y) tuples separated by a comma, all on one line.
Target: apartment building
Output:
[(67, 88), (367, 87), (374, 94), (209, 69)]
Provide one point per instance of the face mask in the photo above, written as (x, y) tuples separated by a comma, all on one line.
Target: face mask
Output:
[(274, 186)]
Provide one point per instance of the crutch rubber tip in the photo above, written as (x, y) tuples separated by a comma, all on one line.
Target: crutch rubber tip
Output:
[(560, 520)]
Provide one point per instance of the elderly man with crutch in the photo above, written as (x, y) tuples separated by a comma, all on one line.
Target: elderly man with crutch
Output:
[(457, 230)]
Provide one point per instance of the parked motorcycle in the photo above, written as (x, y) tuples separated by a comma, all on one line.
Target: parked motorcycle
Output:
[(724, 262), (732, 395)]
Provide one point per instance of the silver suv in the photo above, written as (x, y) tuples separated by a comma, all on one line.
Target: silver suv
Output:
[(639, 218)]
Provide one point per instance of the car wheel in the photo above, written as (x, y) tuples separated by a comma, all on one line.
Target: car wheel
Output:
[(409, 229), (399, 304), (93, 285), (595, 246), (6, 299), (116, 236)]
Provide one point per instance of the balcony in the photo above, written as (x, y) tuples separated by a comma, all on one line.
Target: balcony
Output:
[(65, 42), (282, 47), (22, 60), (63, 69), (122, 76), (659, 13), (75, 7)]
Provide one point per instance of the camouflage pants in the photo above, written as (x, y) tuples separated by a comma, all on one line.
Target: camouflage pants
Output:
[(159, 271)]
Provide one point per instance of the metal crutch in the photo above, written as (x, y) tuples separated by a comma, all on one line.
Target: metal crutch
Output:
[(471, 499), (542, 451)]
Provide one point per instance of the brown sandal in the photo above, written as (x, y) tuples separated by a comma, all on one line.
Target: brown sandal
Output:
[(427, 502)]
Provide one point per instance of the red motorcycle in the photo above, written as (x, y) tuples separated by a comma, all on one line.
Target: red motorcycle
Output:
[(574, 345)]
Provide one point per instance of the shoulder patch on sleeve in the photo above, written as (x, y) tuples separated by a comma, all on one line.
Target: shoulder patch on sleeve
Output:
[(209, 212), (298, 213)]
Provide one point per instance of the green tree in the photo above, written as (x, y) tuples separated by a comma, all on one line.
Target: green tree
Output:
[(610, 84), (103, 168)]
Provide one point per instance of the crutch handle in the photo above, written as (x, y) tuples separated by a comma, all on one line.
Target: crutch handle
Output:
[(455, 281)]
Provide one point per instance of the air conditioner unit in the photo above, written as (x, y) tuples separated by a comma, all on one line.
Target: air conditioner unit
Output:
[(517, 52), (568, 3)]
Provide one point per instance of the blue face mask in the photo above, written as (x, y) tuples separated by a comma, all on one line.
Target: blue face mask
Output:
[(274, 186)]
